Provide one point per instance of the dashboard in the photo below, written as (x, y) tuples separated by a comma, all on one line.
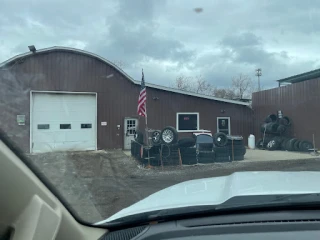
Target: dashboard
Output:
[(302, 224)]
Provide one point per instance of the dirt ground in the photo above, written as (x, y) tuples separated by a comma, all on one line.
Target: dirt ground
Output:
[(99, 184)]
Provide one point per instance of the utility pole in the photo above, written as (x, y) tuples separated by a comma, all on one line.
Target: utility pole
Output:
[(258, 73)]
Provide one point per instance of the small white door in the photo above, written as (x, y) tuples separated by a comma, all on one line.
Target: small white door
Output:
[(223, 125), (130, 125)]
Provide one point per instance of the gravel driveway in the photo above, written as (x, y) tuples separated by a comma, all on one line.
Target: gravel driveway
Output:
[(99, 184)]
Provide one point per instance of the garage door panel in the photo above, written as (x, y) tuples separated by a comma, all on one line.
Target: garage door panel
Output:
[(77, 136), (74, 146), (57, 111), (44, 137), (72, 116)]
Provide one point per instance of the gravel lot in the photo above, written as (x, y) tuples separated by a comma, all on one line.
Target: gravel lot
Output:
[(99, 184)]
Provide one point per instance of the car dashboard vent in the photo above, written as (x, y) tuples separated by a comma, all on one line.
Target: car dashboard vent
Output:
[(125, 234)]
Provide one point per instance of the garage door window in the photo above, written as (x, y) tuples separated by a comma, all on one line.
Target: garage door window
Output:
[(43, 126), (86, 125), (65, 126), (187, 122)]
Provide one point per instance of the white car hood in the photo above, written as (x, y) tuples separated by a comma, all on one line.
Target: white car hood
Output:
[(216, 190)]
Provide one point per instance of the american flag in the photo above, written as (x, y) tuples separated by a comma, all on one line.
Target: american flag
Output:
[(142, 102)]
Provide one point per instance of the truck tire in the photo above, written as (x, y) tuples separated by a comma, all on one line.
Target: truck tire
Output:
[(222, 159), (206, 157), (237, 154), (296, 145), (281, 129), (238, 158), (262, 144), (271, 118), (155, 138), (280, 139), (220, 139), (186, 142), (290, 144), (221, 150), (304, 146), (273, 144), (169, 135), (270, 127), (259, 144), (284, 144), (285, 121), (138, 137), (235, 142)]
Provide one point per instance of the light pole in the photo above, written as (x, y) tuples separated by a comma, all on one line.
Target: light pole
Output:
[(258, 73)]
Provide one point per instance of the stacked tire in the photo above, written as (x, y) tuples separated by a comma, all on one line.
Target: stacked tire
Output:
[(206, 157), (294, 144), (188, 155), (170, 155), (274, 125), (205, 153), (171, 145), (236, 148), (284, 143), (228, 148), (273, 130)]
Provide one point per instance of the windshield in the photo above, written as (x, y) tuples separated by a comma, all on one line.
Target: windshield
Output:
[(119, 103)]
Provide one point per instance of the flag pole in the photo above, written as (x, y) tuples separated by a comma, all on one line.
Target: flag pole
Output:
[(147, 130)]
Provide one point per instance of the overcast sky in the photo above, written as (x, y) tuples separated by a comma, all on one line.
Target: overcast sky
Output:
[(168, 38)]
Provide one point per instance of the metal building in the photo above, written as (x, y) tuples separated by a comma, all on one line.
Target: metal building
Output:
[(61, 98), (298, 98)]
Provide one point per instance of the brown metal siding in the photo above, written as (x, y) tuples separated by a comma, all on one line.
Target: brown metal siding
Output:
[(162, 112), (299, 101), (117, 97)]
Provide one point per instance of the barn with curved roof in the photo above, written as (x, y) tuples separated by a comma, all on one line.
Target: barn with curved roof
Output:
[(60, 98)]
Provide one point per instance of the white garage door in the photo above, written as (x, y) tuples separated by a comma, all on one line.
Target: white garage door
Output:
[(63, 122)]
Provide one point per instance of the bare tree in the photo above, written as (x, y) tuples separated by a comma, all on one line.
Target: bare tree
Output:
[(242, 86), (202, 86), (195, 84), (224, 93), (183, 83)]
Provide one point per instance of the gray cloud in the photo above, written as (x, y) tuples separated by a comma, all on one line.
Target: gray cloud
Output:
[(242, 40), (168, 38)]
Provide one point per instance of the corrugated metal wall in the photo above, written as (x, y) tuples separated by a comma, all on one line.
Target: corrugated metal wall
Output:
[(117, 97), (299, 101)]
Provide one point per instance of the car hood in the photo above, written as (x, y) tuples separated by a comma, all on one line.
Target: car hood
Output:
[(216, 190)]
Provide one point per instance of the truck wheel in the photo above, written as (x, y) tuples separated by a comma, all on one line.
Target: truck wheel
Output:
[(169, 135), (155, 138), (220, 139), (273, 144)]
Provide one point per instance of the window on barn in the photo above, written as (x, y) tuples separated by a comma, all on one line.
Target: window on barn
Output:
[(187, 122), (65, 126)]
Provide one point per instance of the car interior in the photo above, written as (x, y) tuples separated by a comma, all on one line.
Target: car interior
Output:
[(31, 209)]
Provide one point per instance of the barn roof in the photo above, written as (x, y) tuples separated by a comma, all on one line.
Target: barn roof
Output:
[(151, 85)]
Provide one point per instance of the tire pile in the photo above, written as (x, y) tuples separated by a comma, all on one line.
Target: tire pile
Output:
[(217, 148), (229, 148), (273, 130), (197, 149), (165, 144)]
